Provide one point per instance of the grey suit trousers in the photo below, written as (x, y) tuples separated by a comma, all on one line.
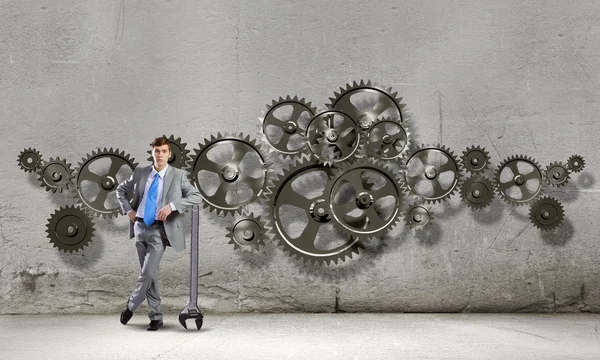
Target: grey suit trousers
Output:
[(150, 242)]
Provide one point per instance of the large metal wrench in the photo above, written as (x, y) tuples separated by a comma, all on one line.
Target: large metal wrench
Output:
[(191, 310)]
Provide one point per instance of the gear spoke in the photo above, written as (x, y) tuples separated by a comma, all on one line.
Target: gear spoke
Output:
[(221, 194), (285, 140), (381, 106), (375, 219), (387, 190), (296, 112), (514, 168), (288, 196), (239, 151), (306, 240), (346, 106), (100, 199), (87, 174), (115, 165)]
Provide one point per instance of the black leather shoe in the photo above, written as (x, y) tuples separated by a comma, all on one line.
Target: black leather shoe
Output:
[(126, 315), (154, 325)]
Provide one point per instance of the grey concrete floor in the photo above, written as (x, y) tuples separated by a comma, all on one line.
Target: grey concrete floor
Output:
[(305, 336)]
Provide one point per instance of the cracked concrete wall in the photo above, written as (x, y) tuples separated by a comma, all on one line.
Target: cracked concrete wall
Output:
[(514, 77)]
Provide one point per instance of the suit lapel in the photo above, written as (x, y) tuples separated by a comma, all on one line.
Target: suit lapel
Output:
[(167, 183), (142, 182)]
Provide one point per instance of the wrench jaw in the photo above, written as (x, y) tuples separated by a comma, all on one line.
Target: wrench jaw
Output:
[(191, 312)]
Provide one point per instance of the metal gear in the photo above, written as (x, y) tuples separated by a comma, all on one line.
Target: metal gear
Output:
[(576, 163), (364, 198), (332, 136), (432, 173), (387, 139), (92, 173), (230, 171), (247, 232), (56, 175), (475, 159), (284, 124), (30, 160), (365, 102), (477, 191), (70, 229), (546, 213), (418, 217), (299, 196), (179, 154), (556, 174), (514, 183)]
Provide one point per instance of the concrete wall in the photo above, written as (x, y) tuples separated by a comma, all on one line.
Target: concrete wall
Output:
[(514, 77)]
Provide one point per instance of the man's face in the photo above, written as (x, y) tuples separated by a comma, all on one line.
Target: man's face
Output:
[(161, 155)]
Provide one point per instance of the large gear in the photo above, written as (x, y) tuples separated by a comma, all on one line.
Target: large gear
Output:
[(332, 136), (365, 102), (418, 217), (70, 229), (387, 139), (230, 171), (477, 192), (283, 126), (56, 175), (432, 173), (364, 198), (299, 195), (576, 163), (92, 173), (475, 159), (30, 160), (556, 174), (179, 153), (518, 179), (247, 232), (546, 213)]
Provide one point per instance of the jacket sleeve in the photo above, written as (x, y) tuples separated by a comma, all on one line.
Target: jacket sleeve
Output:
[(189, 195), (123, 191)]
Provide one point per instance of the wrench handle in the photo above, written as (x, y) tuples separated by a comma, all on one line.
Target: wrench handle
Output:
[(194, 256)]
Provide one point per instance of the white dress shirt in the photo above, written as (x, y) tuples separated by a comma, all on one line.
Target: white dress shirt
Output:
[(159, 192)]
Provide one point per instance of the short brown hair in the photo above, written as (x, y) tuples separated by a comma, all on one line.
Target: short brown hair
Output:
[(161, 141)]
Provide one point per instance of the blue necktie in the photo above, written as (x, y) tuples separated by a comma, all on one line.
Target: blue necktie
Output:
[(150, 207)]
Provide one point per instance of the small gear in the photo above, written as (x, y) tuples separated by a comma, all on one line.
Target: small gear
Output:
[(333, 136), (70, 229), (283, 126), (301, 218), (387, 139), (97, 177), (518, 179), (56, 175), (179, 154), (248, 232), (365, 102), (432, 173), (475, 159), (418, 217), (230, 171), (546, 213), (477, 191), (364, 198), (30, 160), (576, 163), (556, 174)]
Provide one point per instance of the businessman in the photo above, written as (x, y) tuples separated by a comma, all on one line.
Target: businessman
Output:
[(161, 193)]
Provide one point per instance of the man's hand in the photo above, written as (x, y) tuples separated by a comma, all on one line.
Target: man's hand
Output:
[(132, 215), (164, 212)]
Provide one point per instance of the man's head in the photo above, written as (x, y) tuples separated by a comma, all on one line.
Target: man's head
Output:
[(161, 152)]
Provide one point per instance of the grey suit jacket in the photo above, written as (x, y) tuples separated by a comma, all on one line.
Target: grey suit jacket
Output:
[(176, 189)]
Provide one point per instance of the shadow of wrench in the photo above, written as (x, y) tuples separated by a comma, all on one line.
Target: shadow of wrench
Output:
[(191, 310)]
